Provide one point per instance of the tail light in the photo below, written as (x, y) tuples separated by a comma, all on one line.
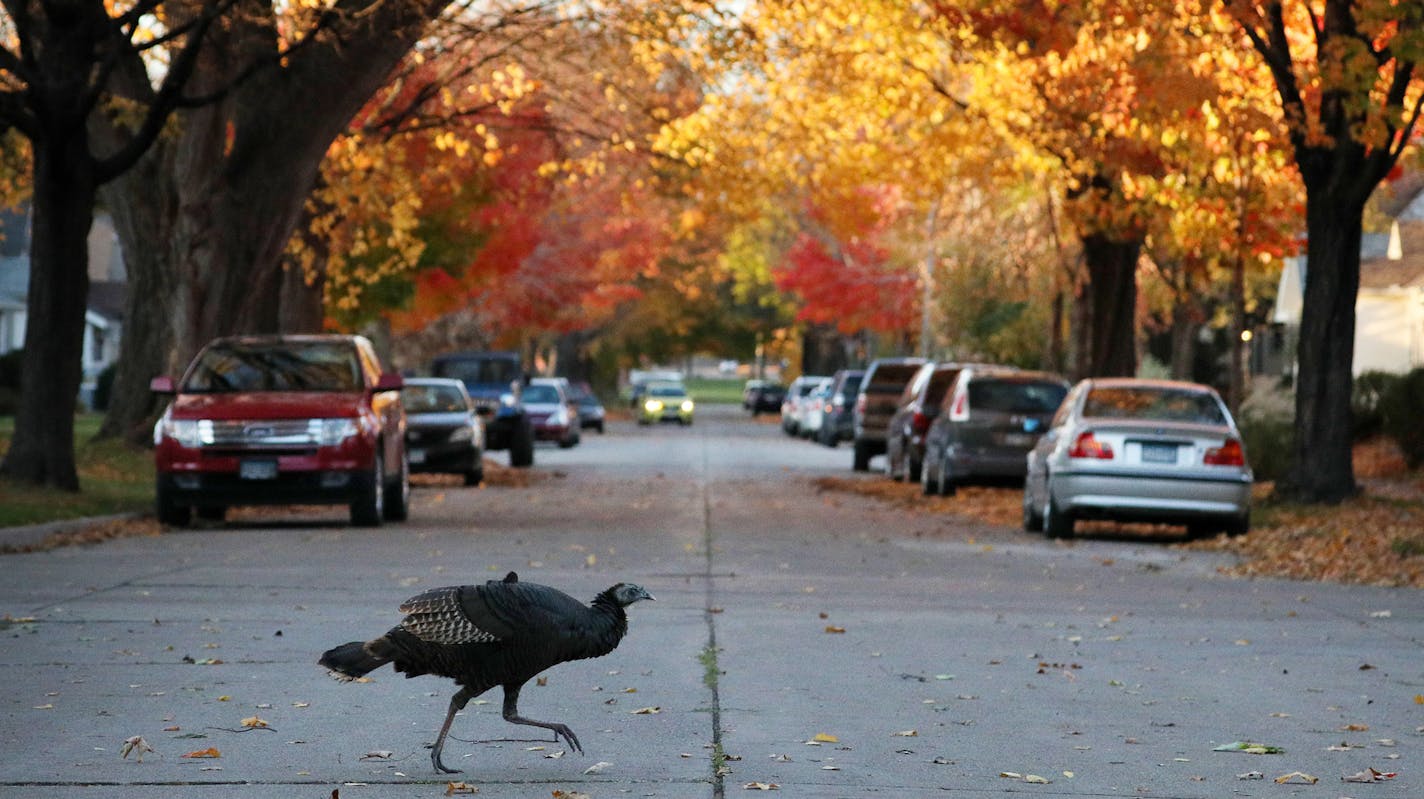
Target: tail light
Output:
[(1228, 454), (860, 404), (959, 411), (919, 423), (1086, 445)]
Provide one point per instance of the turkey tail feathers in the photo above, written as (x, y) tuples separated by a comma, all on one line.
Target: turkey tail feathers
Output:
[(350, 661)]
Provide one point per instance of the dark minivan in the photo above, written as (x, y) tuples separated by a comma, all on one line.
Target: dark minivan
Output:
[(988, 422), (879, 395), (919, 405)]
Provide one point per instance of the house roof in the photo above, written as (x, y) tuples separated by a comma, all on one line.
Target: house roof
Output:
[(1408, 271)]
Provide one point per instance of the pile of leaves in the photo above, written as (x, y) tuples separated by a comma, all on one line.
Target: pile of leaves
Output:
[(1374, 539), (88, 535)]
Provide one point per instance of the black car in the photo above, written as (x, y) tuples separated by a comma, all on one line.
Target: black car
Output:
[(918, 407), (988, 423), (591, 412), (879, 395), (763, 396), (838, 424), (443, 433)]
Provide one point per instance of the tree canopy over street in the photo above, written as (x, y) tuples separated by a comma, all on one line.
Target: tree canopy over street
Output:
[(1036, 182)]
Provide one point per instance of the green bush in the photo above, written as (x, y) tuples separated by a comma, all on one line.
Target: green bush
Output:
[(1267, 424), (1365, 396), (1399, 409)]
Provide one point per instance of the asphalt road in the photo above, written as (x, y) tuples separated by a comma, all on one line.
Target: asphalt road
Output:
[(931, 655)]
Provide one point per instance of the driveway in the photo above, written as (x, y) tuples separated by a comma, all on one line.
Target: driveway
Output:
[(817, 644)]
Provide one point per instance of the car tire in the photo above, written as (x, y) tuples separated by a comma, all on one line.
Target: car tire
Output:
[(1056, 523), (860, 462), (368, 507), (397, 495), (929, 484), (599, 428), (475, 476), (1032, 519), (892, 466), (1239, 526), (212, 513), (170, 514), (521, 446)]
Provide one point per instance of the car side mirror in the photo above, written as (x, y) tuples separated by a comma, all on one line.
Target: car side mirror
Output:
[(163, 384), (389, 381)]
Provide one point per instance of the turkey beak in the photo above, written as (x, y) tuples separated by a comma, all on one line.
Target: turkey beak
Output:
[(648, 596)]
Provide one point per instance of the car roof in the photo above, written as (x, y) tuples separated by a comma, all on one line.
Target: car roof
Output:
[(282, 338), (435, 381), (1146, 382)]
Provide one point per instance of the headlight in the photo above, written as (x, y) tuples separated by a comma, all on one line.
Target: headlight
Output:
[(653, 406), (462, 434), (335, 431), (507, 400), (561, 416), (686, 406), (187, 433)]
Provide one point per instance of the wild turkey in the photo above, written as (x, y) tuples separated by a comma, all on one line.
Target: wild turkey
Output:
[(501, 633)]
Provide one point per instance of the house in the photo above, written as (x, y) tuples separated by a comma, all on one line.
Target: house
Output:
[(103, 321), (1389, 308)]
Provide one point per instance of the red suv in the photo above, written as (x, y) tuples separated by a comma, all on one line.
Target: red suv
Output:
[(275, 420)]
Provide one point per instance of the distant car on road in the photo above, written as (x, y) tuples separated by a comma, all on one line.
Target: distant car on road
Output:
[(838, 416), (279, 420), (763, 396), (1139, 450), (987, 422), (591, 413), (797, 393), (666, 402), (495, 381), (551, 412), (444, 433), (879, 396)]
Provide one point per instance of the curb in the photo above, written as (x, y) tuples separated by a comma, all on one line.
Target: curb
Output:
[(31, 534)]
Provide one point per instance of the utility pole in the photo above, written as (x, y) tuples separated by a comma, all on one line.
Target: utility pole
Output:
[(927, 281)]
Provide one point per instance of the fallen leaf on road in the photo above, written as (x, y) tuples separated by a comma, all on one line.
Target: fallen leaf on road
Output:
[(597, 767), (1250, 748), (460, 787), (907, 733), (383, 754), (1297, 778), (1355, 728), (646, 711), (823, 738), (1251, 775), (254, 722), (761, 786), (211, 751), (137, 745), (831, 628), (1032, 779), (1371, 775)]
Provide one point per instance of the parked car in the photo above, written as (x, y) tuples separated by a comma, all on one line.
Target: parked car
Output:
[(590, 411), (443, 433), (796, 393), (495, 381), (553, 415), (666, 402), (811, 412), (837, 424), (988, 421), (918, 406), (1139, 450), (763, 396), (875, 403), (277, 420)]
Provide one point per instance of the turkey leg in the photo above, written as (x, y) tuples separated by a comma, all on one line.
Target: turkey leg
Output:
[(457, 703), (511, 715)]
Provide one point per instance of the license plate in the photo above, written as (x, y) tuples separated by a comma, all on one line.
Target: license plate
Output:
[(1159, 453), (257, 470), (417, 456), (1018, 440)]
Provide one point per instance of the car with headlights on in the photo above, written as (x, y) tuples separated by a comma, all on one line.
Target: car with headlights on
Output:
[(666, 402), (1136, 450), (279, 420), (444, 433)]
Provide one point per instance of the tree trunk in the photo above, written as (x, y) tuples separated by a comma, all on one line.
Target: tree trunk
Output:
[(142, 207), (1322, 470), (42, 449), (1111, 295), (1184, 340)]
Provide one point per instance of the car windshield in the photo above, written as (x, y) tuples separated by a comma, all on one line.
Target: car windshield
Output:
[(478, 371), (892, 376), (1016, 396), (1144, 402), (284, 366), (851, 385), (541, 394), (667, 391), (433, 399)]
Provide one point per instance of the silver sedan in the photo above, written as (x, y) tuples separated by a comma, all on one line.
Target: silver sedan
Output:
[(1139, 450)]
